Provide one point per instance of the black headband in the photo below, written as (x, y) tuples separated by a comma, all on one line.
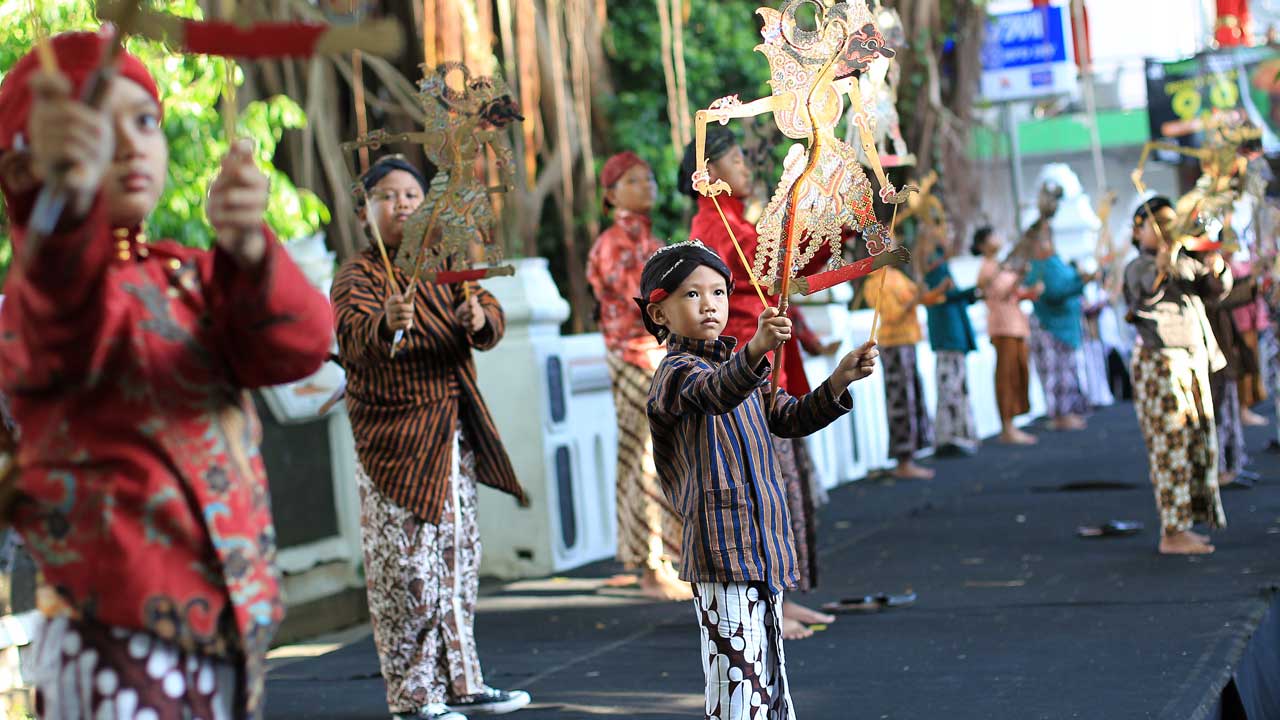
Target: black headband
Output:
[(667, 268), (720, 140), (385, 165), (1152, 206)]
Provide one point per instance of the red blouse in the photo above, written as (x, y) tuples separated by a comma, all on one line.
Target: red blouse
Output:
[(142, 494), (613, 269)]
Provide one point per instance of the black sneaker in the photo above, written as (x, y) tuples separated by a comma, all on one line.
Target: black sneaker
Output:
[(491, 702)]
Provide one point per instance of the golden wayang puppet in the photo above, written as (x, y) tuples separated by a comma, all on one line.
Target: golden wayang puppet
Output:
[(823, 190), (1224, 162)]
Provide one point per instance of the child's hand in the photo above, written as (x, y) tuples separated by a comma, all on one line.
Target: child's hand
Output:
[(237, 205), (398, 312), (471, 315), (855, 366), (1031, 293), (771, 331), (70, 137)]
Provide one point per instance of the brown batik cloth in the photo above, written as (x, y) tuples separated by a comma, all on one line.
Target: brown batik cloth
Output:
[(798, 473), (84, 669), (742, 656), (423, 580), (648, 528), (910, 429), (1175, 410), (1013, 375)]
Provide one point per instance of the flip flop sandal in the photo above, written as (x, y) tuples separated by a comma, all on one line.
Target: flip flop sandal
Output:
[(1115, 528), (869, 603)]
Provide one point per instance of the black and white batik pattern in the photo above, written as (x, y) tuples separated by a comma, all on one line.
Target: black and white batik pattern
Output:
[(910, 429), (85, 670), (1231, 453), (954, 420), (742, 657), (1056, 365)]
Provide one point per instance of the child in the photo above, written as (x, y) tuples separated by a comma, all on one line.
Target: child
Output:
[(910, 430), (1171, 366), (648, 528), (1008, 328), (141, 493), (425, 440), (726, 161), (711, 421), (1058, 331), (952, 337)]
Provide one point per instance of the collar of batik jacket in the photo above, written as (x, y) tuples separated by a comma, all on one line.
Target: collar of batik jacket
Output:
[(717, 351), (633, 223)]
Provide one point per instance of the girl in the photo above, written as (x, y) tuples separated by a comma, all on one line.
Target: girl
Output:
[(425, 440), (1057, 332), (1008, 328), (952, 337), (141, 494), (1172, 360), (648, 528)]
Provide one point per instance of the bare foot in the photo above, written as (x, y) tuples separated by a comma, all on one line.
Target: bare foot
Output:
[(1018, 437), (908, 470), (805, 615), (662, 585), (794, 630), (1202, 539), (1251, 418), (622, 580), (1183, 544), (1225, 479), (1069, 423)]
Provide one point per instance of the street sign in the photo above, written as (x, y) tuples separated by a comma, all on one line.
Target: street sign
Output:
[(1028, 54)]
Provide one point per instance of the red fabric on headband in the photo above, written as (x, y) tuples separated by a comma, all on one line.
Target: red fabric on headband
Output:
[(658, 295), (78, 54)]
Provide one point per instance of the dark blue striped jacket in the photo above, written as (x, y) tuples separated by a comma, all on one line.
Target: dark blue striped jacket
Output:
[(715, 459)]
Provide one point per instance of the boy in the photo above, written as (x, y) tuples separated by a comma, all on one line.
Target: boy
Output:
[(711, 420)]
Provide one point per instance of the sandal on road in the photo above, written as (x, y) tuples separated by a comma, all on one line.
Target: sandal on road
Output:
[(1115, 528), (869, 603)]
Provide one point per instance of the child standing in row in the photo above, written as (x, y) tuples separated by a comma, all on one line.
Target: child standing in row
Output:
[(711, 419)]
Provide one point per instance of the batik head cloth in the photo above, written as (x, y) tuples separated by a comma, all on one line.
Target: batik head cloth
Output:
[(669, 267)]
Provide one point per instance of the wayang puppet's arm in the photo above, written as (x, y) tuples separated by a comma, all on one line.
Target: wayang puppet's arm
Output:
[(722, 111), (852, 87)]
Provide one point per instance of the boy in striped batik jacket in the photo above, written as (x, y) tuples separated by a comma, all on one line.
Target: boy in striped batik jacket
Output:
[(711, 415)]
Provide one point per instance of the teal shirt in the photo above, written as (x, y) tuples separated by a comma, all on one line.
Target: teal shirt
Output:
[(949, 327), (1058, 309)]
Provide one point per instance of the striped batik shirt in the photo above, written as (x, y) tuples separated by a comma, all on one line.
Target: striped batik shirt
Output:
[(405, 410), (712, 448)]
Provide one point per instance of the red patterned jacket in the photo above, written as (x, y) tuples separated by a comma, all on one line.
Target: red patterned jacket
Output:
[(142, 494), (613, 268)]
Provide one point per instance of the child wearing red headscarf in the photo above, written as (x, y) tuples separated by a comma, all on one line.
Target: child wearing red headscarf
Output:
[(140, 491), (648, 528)]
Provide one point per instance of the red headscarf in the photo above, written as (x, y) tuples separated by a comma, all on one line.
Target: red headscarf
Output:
[(617, 166), (78, 54)]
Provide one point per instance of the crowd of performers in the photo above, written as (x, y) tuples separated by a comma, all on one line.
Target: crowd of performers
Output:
[(140, 491)]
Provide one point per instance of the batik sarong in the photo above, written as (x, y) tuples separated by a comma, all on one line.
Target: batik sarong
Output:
[(423, 580), (648, 528), (1056, 365), (953, 422), (1226, 411), (1175, 409), (910, 429), (85, 670), (797, 471), (742, 656)]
